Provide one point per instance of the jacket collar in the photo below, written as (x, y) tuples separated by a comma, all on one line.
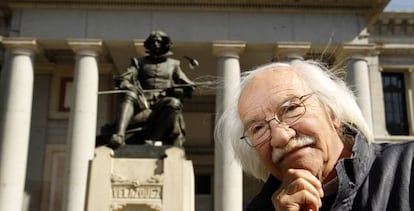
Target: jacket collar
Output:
[(352, 171)]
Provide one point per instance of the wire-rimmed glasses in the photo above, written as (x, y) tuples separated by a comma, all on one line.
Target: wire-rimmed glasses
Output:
[(288, 113)]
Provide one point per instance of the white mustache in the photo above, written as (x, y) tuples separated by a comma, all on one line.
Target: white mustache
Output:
[(294, 143)]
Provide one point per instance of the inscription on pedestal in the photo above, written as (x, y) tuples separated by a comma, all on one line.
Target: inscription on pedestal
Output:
[(135, 189), (140, 192)]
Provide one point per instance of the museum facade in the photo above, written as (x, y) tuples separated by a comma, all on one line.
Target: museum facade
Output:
[(57, 57)]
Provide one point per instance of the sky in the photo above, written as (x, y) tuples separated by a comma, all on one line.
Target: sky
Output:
[(400, 5)]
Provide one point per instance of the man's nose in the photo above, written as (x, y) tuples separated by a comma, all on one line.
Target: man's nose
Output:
[(281, 133)]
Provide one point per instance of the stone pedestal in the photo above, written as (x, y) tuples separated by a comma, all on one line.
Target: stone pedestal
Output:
[(142, 178)]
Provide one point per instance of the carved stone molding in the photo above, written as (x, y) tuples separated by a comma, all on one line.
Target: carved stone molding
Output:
[(21, 45), (289, 50), (228, 48), (354, 51)]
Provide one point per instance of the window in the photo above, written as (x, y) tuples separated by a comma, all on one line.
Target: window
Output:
[(203, 184), (203, 192), (395, 103), (61, 93)]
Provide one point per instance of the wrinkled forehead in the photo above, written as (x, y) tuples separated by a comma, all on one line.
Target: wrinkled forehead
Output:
[(275, 78), (271, 86)]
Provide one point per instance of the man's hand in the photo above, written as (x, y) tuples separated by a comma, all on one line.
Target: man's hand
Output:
[(300, 190)]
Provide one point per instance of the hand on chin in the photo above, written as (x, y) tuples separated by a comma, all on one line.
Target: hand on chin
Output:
[(305, 158), (300, 190)]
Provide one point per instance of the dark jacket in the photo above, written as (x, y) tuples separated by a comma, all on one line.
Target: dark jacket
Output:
[(377, 177)]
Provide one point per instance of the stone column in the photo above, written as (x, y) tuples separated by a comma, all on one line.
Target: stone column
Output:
[(82, 122), (377, 96), (291, 51), (410, 99), (228, 176), (15, 117), (357, 75)]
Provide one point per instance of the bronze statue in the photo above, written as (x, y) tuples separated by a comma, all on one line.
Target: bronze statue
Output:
[(152, 89)]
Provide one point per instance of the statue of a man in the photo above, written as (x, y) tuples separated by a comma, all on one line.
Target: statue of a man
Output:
[(150, 98)]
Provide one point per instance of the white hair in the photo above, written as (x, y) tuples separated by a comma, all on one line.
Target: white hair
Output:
[(330, 90)]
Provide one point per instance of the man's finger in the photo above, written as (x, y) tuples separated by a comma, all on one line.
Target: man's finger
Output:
[(293, 174), (302, 184), (297, 201)]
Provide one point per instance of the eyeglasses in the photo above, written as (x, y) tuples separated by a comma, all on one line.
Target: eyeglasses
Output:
[(288, 113)]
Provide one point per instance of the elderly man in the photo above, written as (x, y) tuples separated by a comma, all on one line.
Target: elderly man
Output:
[(297, 127)]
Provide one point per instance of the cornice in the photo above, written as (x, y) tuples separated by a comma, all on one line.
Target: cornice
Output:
[(396, 15), (363, 7), (396, 49), (392, 25)]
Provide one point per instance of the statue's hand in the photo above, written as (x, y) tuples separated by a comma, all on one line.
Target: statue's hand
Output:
[(126, 85), (188, 92)]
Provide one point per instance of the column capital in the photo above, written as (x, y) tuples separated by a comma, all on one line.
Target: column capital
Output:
[(90, 47), (228, 48), (354, 51), (21, 45), (291, 50), (139, 47)]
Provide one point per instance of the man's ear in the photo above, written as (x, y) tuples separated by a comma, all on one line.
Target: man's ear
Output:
[(335, 120)]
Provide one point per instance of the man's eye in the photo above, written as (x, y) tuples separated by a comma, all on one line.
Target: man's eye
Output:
[(292, 107), (257, 128), (288, 108)]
